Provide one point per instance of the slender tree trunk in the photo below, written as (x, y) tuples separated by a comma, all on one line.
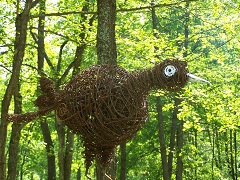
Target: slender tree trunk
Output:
[(13, 151), (61, 140), (79, 174), (65, 151), (172, 138), (196, 146), (178, 101), (107, 54), (50, 150), (218, 156), (80, 49), (123, 161), (40, 42), (186, 30), (236, 154), (231, 155), (162, 140), (211, 138), (44, 125), (166, 160), (179, 143), (15, 137), (227, 153), (68, 155), (19, 47), (24, 157), (60, 128)]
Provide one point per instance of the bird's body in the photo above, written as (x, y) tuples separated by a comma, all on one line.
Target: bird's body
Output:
[(106, 104), (99, 106)]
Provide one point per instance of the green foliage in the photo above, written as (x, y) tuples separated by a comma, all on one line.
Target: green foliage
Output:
[(210, 114)]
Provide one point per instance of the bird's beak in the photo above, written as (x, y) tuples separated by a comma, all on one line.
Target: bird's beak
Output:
[(195, 78)]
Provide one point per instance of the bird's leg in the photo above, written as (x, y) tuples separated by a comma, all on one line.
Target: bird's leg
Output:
[(108, 176), (104, 171), (87, 175)]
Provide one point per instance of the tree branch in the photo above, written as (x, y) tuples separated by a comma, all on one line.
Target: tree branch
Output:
[(4, 67), (118, 10), (65, 73), (45, 54), (154, 6), (58, 34), (34, 3)]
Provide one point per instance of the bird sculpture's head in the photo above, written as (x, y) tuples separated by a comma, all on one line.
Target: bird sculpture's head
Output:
[(172, 75)]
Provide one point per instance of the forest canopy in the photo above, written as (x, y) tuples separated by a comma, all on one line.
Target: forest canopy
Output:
[(191, 134)]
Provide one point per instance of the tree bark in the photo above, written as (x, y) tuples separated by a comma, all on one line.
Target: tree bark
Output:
[(19, 47), (106, 42), (107, 54)]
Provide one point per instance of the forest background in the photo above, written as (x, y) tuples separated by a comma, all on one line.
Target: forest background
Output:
[(193, 134)]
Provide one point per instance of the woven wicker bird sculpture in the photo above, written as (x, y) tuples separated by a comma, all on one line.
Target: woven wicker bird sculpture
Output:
[(106, 104)]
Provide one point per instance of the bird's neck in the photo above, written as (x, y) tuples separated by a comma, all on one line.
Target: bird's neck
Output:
[(145, 80)]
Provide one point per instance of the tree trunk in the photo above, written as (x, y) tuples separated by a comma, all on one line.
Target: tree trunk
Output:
[(13, 151), (106, 173), (19, 47), (179, 141), (65, 151), (123, 161), (107, 54), (179, 150), (186, 30), (218, 156), (15, 137), (44, 125), (166, 160), (231, 155), (61, 140), (172, 138), (178, 101), (162, 140), (106, 43), (235, 154), (196, 146), (68, 155), (50, 150)]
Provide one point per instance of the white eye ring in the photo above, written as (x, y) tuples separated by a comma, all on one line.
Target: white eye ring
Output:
[(170, 70)]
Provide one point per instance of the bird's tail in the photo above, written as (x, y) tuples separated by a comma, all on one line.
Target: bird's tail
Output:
[(45, 102)]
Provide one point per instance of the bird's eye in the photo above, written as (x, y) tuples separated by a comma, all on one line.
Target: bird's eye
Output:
[(170, 70)]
